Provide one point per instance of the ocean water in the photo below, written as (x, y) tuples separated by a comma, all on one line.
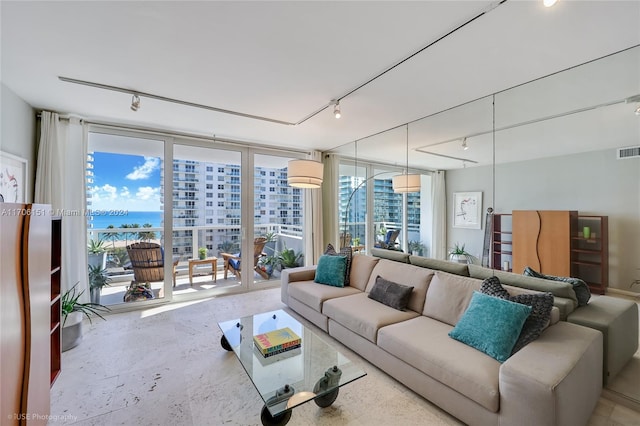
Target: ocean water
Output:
[(102, 219)]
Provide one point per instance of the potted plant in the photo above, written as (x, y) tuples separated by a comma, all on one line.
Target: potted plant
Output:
[(97, 253), (202, 253), (72, 312), (460, 255), (270, 244), (98, 278), (269, 264), (416, 248), (288, 258), (356, 241)]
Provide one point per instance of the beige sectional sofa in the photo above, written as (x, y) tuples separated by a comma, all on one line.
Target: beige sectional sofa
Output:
[(554, 380)]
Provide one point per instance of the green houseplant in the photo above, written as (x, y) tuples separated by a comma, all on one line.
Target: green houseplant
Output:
[(416, 248), (97, 253), (98, 278), (460, 255), (72, 313), (288, 258), (202, 253)]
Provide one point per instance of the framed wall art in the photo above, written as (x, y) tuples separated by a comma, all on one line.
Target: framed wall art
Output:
[(13, 178), (467, 210)]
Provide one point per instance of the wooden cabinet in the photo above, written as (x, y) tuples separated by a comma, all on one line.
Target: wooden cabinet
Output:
[(56, 305), (25, 326), (502, 242), (542, 240), (590, 252)]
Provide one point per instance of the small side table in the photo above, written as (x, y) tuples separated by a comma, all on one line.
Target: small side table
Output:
[(213, 261)]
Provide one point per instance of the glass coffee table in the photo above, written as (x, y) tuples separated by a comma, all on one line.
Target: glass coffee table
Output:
[(314, 371)]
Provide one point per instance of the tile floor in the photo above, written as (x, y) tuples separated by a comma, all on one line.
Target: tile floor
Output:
[(164, 366)]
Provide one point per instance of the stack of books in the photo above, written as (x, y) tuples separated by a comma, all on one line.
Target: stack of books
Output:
[(276, 342)]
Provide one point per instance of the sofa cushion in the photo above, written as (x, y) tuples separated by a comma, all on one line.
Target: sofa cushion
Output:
[(424, 344), (314, 295), (395, 255), (491, 325), (409, 275), (558, 289), (541, 305), (440, 265), (346, 252), (448, 296), (391, 294), (362, 315), (331, 270), (361, 267)]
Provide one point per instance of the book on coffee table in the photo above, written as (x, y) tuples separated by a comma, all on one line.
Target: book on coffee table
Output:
[(277, 341)]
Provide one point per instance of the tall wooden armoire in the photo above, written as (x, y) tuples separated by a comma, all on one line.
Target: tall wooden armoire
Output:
[(542, 240), (25, 307)]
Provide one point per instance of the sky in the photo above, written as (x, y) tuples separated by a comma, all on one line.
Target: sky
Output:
[(125, 182)]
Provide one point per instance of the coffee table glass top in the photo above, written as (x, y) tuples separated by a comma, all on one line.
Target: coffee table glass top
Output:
[(293, 377)]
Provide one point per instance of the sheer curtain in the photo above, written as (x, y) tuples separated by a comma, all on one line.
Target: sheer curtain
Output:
[(60, 181), (439, 203), (313, 218)]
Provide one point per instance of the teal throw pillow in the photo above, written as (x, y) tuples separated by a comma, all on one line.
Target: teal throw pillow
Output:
[(331, 270), (491, 325)]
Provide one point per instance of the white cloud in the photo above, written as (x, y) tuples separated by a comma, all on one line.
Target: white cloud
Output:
[(124, 192), (144, 171), (148, 193)]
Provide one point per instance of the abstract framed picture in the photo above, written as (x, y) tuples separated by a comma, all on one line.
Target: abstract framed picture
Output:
[(467, 210), (13, 178)]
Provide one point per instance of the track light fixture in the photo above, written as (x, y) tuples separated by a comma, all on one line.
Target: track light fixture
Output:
[(464, 144), (135, 103), (336, 109), (637, 110)]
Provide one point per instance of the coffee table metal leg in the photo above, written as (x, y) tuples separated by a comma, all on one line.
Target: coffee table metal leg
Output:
[(282, 394), (280, 420), (225, 344), (330, 380)]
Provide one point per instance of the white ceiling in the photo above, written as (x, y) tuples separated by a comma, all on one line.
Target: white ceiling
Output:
[(287, 60)]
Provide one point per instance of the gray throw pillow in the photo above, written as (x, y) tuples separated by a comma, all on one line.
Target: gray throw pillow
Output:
[(346, 252), (583, 294), (541, 305), (391, 294)]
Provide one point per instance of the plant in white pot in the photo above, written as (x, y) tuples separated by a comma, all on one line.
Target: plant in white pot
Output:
[(72, 315), (416, 248), (97, 253), (460, 255), (98, 278)]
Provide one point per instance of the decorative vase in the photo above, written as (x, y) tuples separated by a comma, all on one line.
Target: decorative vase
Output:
[(586, 232)]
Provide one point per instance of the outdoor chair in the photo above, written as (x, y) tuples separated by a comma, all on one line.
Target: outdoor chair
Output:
[(147, 261), (389, 242), (232, 262)]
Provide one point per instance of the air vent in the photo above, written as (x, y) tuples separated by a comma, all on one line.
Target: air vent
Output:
[(628, 152)]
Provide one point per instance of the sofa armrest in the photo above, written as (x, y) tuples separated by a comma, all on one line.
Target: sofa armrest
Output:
[(289, 275), (554, 380)]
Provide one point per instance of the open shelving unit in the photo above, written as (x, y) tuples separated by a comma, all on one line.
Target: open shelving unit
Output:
[(502, 242), (590, 256), (56, 298)]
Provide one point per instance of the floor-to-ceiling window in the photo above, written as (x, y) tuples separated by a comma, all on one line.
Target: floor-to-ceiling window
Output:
[(124, 213), (234, 222)]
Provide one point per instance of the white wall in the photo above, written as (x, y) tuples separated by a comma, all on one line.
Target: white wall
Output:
[(18, 131), (591, 183)]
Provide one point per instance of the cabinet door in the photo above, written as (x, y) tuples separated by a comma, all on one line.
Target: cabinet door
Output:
[(12, 331)]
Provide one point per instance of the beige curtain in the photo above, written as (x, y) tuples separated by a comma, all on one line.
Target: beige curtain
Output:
[(330, 194), (313, 218)]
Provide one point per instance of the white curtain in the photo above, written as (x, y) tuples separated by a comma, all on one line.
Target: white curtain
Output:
[(60, 181), (439, 223), (330, 193), (313, 219)]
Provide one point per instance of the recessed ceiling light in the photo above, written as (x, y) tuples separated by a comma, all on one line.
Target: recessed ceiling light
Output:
[(549, 3)]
